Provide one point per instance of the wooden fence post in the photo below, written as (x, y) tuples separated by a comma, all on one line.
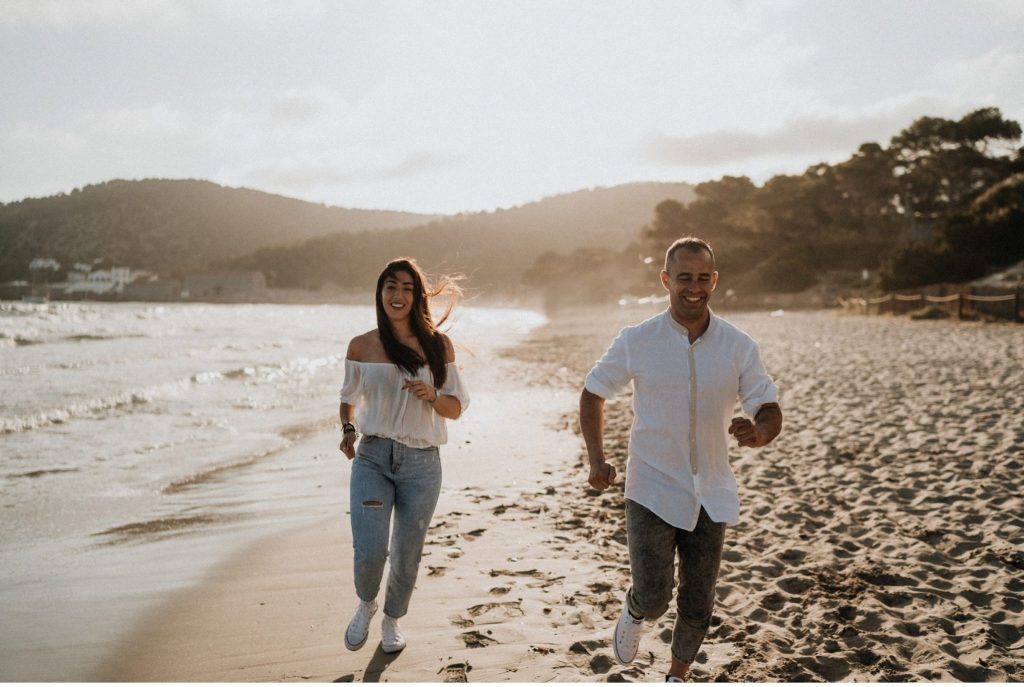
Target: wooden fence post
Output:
[(960, 306)]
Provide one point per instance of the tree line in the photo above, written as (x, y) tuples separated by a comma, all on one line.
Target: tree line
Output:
[(942, 202)]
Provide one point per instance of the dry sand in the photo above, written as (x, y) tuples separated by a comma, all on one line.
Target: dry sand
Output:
[(881, 536)]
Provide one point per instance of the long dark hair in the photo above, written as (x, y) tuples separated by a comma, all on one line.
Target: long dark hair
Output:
[(423, 325)]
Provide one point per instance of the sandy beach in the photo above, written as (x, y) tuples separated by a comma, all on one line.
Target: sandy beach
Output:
[(881, 536)]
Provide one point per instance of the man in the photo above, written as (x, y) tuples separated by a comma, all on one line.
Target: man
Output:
[(688, 367)]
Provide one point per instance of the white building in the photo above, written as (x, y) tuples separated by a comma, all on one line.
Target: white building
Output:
[(100, 282)]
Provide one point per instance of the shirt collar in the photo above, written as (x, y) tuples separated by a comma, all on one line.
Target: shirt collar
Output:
[(712, 325)]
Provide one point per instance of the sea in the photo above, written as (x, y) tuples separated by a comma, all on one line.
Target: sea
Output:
[(142, 443)]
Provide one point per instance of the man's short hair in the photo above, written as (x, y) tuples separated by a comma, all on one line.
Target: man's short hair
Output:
[(689, 243)]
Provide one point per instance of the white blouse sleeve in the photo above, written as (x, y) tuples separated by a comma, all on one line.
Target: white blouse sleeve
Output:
[(453, 386), (352, 389)]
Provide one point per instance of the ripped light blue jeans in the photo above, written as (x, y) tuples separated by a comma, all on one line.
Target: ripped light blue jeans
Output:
[(388, 476)]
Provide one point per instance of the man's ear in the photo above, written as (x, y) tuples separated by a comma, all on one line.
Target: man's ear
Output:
[(664, 279), (714, 280)]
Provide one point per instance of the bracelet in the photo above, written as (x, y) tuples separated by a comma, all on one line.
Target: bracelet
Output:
[(347, 427)]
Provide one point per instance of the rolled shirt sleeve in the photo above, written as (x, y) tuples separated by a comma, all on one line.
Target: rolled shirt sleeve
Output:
[(756, 386), (611, 374)]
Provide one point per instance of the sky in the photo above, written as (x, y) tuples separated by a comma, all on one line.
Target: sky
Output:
[(471, 105)]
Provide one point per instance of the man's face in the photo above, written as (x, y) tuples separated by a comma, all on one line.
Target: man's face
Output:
[(690, 279)]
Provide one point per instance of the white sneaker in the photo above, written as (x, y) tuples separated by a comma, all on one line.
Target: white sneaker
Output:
[(359, 626), (391, 638), (628, 632)]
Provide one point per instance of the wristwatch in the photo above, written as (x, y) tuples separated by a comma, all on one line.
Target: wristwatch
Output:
[(347, 427)]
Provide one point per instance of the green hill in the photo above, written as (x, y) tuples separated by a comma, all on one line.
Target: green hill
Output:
[(494, 249), (168, 226)]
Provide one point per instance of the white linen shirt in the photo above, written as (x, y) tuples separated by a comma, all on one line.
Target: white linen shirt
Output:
[(385, 409), (683, 398)]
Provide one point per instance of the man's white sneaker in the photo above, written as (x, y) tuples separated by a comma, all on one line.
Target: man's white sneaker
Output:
[(628, 632), (391, 638), (359, 626)]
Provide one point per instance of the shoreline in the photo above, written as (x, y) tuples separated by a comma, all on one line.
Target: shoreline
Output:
[(880, 536), (277, 609)]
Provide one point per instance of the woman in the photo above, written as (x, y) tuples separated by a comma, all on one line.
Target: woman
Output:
[(403, 377)]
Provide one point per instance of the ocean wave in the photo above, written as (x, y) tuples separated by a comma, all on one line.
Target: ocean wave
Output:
[(275, 372), (32, 474), (88, 408), (214, 472), (18, 371), (302, 430), (97, 407), (103, 337), (159, 528)]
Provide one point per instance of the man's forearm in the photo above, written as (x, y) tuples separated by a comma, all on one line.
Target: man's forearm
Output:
[(768, 423), (592, 425)]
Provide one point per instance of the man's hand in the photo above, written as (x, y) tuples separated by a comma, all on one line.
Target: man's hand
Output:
[(602, 475), (746, 433), (348, 444), (762, 431)]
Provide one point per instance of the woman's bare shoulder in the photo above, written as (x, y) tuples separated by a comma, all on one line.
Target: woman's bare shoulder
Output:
[(365, 347), (449, 349)]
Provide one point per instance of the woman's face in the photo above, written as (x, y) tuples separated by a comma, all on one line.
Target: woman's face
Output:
[(397, 295)]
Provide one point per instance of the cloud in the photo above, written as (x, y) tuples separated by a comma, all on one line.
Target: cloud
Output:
[(65, 13), (976, 79), (810, 137), (302, 105), (299, 175), (72, 13)]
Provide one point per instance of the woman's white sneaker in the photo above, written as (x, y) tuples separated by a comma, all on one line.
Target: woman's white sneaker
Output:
[(359, 626), (391, 638), (628, 632)]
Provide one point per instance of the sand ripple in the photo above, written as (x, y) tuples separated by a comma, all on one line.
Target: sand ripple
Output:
[(882, 535)]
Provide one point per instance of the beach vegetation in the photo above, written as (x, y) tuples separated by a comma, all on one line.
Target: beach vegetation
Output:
[(942, 201)]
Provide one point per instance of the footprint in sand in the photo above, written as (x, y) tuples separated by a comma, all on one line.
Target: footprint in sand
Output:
[(436, 570), (476, 640), (586, 646), (455, 672), (600, 664), (544, 580), (496, 611), (499, 591), (459, 621)]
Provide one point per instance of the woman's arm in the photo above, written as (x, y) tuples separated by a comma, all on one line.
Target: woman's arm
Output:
[(347, 411), (446, 406)]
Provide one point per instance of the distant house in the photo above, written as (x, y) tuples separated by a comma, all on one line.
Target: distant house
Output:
[(79, 272), (43, 264), (226, 287), (146, 286), (15, 290), (98, 283)]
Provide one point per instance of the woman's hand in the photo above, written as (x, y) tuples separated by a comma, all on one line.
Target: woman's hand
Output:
[(420, 390), (348, 444)]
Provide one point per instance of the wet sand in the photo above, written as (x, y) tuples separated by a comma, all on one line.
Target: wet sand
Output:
[(881, 536)]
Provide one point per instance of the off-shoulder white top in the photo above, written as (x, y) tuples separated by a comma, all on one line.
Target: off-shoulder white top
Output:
[(385, 409)]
